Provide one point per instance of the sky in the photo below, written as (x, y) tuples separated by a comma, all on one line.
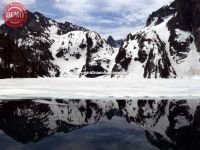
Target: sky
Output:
[(107, 17)]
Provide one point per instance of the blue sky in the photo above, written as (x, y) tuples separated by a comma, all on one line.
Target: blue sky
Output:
[(108, 17)]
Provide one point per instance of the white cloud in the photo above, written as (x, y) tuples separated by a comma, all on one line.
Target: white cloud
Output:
[(89, 7), (118, 33), (25, 2), (120, 14), (115, 17)]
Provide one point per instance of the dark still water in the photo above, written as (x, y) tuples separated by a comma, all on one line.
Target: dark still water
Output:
[(99, 124)]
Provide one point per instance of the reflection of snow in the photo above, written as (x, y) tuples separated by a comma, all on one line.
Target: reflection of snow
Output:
[(162, 119), (97, 88)]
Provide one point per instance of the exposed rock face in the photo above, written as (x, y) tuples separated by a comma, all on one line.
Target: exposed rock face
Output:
[(46, 48), (145, 52), (25, 51), (173, 31), (188, 18), (82, 53), (196, 22), (25, 62), (160, 14), (114, 43)]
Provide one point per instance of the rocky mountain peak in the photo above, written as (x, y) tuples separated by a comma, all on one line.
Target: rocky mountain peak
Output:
[(114, 43), (45, 47), (158, 16), (167, 47)]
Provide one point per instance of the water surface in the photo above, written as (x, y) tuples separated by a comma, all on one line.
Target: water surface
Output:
[(140, 124)]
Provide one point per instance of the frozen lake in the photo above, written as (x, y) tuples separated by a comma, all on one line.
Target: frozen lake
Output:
[(98, 88)]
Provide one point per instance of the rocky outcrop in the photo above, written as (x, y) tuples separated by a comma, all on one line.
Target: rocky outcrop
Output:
[(114, 43), (145, 52), (173, 30), (25, 51), (46, 48), (18, 62)]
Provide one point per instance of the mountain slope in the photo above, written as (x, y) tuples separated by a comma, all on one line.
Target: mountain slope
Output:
[(44, 47), (82, 53), (168, 47)]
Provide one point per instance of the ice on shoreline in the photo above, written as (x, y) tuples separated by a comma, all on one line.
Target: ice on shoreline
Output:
[(99, 88)]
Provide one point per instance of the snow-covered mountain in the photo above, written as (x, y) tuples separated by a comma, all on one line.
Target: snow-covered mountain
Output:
[(168, 47), (44, 47), (168, 124)]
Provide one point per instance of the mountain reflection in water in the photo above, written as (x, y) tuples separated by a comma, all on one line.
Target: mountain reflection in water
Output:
[(100, 124)]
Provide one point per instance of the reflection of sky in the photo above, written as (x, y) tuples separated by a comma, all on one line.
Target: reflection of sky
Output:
[(116, 134), (116, 17)]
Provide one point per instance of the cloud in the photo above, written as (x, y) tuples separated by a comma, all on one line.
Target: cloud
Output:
[(115, 17), (25, 2), (74, 6), (108, 15), (118, 32)]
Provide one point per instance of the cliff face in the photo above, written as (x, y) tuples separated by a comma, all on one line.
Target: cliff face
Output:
[(114, 43), (168, 46), (46, 48), (196, 22), (187, 18)]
